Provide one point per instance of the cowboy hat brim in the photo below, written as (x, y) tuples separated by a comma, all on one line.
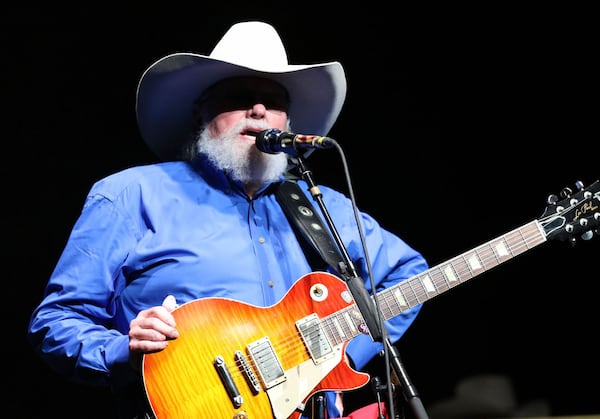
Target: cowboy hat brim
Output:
[(168, 89)]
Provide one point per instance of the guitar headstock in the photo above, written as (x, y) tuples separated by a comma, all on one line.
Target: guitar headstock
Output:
[(573, 215)]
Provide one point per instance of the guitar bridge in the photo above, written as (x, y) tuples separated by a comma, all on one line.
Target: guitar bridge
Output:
[(247, 372), (268, 366)]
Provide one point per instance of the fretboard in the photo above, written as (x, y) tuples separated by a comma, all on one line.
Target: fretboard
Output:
[(348, 323)]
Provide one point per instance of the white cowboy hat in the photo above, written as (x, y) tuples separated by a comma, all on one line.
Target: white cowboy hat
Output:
[(168, 88)]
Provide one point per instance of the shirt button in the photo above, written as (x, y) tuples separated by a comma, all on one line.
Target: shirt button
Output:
[(271, 284), (261, 240)]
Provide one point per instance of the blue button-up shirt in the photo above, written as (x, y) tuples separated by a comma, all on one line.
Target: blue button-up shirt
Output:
[(185, 229)]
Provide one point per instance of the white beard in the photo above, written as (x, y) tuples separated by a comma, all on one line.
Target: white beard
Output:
[(241, 160)]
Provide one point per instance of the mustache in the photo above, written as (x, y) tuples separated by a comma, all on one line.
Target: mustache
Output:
[(250, 127)]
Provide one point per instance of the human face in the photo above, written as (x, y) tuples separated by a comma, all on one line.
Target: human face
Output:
[(230, 101)]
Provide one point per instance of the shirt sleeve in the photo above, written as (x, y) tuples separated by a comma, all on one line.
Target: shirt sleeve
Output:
[(71, 328)]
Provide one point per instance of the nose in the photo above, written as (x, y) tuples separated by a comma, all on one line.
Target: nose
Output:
[(258, 110)]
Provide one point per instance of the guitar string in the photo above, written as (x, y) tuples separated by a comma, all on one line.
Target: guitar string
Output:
[(414, 291), (340, 327)]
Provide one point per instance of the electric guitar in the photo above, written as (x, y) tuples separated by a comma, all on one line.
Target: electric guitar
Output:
[(237, 361)]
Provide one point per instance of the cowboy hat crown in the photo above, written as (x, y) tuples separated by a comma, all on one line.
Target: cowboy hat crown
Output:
[(169, 87)]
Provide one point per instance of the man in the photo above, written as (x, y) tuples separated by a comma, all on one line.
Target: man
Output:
[(205, 226)]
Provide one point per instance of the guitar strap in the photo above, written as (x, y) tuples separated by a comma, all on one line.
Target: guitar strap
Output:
[(318, 244), (319, 248)]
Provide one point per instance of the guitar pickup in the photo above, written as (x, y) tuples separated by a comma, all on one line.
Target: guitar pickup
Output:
[(268, 366), (314, 338)]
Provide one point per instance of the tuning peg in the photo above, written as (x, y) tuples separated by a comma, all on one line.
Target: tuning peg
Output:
[(566, 192), (588, 235), (552, 199), (579, 185)]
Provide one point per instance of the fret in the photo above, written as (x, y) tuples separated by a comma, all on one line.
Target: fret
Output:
[(352, 319), (349, 323), (474, 263), (461, 268), (413, 298), (338, 328), (384, 305), (399, 298), (326, 327), (443, 277), (486, 256), (428, 284)]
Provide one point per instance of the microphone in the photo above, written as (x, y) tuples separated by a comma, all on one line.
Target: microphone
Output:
[(275, 141)]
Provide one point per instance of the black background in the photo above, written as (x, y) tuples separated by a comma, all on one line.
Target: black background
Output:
[(457, 125)]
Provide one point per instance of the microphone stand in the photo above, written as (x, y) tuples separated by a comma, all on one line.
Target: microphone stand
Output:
[(363, 299)]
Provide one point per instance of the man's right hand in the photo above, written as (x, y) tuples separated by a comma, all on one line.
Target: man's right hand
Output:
[(151, 330)]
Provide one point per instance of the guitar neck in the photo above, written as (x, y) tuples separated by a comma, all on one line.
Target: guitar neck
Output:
[(347, 324)]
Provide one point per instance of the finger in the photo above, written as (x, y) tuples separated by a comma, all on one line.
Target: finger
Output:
[(157, 312), (154, 328), (170, 303), (147, 346)]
